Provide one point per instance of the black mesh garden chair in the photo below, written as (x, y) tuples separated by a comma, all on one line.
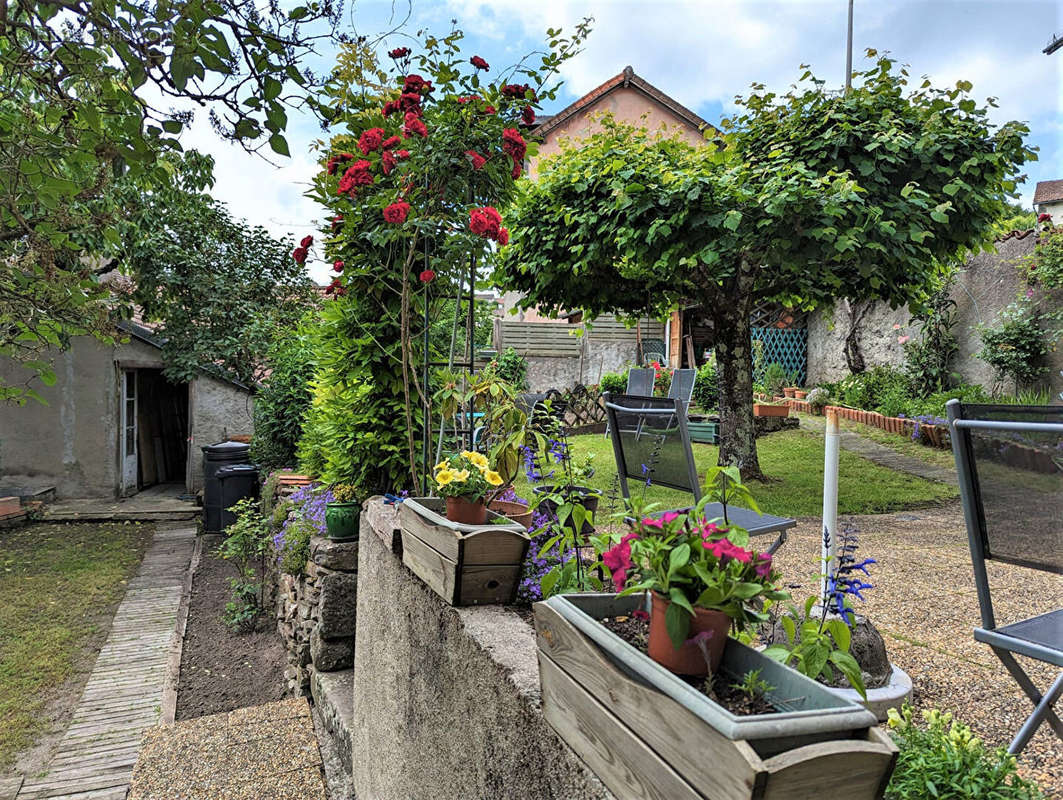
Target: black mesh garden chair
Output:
[(1010, 464), (651, 443), (640, 381)]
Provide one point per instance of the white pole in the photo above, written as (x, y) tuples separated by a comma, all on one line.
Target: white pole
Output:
[(849, 51), (829, 545)]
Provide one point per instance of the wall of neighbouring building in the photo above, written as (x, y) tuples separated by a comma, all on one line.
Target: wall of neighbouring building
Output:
[(73, 440), (983, 288), (447, 700), (220, 410), (558, 358)]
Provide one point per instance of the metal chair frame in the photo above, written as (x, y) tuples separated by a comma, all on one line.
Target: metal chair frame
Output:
[(1005, 641)]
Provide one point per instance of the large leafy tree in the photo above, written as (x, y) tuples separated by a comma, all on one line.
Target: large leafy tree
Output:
[(86, 94), (806, 197), (221, 290)]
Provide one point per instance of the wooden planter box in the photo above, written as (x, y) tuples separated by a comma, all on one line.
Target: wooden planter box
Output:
[(767, 410), (464, 564), (649, 734)]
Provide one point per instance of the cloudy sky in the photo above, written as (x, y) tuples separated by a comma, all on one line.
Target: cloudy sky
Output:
[(701, 52)]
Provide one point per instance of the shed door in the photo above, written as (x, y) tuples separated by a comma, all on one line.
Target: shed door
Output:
[(129, 432)]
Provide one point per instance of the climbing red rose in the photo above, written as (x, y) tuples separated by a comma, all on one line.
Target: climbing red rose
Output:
[(527, 116), (356, 175), (1044, 217), (399, 52), (370, 140), (409, 101), (477, 160), (306, 242), (479, 63), (485, 222), (337, 222), (402, 153), (503, 236), (515, 172), (516, 90), (299, 254), (396, 212), (416, 84), (513, 144), (427, 276), (387, 162), (337, 265), (390, 107), (414, 125), (489, 110), (336, 161), (391, 142)]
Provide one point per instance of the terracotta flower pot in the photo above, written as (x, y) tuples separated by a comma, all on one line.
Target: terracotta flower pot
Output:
[(688, 659), (518, 512), (466, 512), (800, 394), (789, 390), (765, 410)]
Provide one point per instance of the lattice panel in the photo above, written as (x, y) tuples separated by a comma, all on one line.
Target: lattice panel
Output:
[(772, 315), (786, 346)]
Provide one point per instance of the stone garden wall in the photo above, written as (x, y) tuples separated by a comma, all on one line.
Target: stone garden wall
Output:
[(316, 612), (446, 700)]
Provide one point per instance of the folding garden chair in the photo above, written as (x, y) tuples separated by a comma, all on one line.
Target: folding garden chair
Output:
[(1010, 464), (651, 443), (640, 381), (682, 387)]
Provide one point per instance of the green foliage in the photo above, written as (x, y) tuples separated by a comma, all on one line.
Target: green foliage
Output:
[(752, 685), (1015, 347), (884, 389), (295, 550), (511, 367), (706, 386), (1013, 218), (1046, 266), (943, 759), (246, 542), (929, 356), (223, 291), (810, 196), (284, 397), (87, 94), (614, 382), (816, 647), (774, 379)]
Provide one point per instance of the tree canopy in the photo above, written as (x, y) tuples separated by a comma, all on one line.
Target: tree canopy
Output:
[(803, 198)]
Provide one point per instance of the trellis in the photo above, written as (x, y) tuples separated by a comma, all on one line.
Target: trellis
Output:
[(783, 334)]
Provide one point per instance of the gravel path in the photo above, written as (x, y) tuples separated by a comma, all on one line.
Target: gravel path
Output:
[(925, 606)]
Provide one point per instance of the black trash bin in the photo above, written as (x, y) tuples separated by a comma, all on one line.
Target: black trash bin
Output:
[(237, 482), (216, 456)]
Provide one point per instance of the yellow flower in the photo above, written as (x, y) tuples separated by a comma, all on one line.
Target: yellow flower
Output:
[(493, 478), (461, 475), (442, 465), (444, 477), (477, 459)]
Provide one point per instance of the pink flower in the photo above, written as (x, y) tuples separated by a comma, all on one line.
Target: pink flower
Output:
[(903, 339), (764, 565), (896, 326), (650, 522), (669, 517)]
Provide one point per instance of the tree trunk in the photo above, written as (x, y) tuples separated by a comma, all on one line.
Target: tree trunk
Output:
[(734, 364)]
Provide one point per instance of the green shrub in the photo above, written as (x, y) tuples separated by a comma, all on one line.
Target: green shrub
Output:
[(945, 761), (511, 367), (928, 357), (706, 388), (934, 405), (294, 551), (1016, 346), (284, 398), (615, 382), (775, 379), (247, 540), (879, 388)]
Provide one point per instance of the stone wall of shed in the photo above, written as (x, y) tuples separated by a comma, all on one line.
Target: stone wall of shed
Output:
[(220, 410)]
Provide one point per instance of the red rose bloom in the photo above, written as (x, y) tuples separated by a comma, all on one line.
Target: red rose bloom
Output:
[(306, 242), (299, 254), (516, 90), (503, 236), (396, 212), (410, 102), (336, 161), (337, 265), (527, 116), (387, 162), (479, 63), (415, 84), (468, 98), (477, 160), (390, 142), (390, 107), (485, 222), (402, 153), (489, 110), (1044, 217), (414, 125), (427, 276), (515, 172), (370, 140), (399, 52), (513, 144), (356, 175)]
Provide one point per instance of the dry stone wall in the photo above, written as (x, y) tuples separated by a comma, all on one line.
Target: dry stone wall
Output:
[(316, 612)]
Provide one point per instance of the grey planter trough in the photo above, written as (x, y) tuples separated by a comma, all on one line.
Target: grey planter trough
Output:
[(648, 733)]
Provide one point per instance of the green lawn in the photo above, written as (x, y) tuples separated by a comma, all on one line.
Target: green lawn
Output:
[(60, 585), (793, 462)]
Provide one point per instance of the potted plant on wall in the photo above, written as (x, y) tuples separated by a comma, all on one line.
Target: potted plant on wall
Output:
[(464, 481), (342, 513)]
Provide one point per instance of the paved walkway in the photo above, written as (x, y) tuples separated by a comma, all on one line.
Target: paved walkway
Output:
[(127, 690), (882, 455), (266, 752)]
